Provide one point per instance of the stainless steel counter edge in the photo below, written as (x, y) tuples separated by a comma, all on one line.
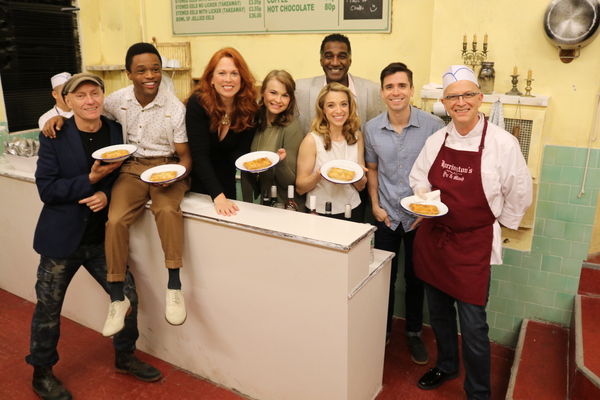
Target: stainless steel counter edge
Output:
[(8, 171), (378, 265), (301, 227)]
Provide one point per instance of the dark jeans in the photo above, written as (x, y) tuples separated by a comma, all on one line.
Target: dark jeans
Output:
[(53, 278), (475, 340), (390, 240)]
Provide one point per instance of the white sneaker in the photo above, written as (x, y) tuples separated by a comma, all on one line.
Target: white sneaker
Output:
[(175, 313), (115, 322)]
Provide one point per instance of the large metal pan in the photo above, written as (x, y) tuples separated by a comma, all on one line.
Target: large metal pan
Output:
[(571, 24)]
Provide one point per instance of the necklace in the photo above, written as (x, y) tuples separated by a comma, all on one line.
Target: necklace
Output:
[(225, 120)]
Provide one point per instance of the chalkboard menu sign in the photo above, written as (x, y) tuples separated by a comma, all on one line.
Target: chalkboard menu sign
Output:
[(232, 17), (363, 9)]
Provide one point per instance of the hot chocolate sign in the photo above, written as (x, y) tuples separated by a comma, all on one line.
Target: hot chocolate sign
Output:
[(231, 17)]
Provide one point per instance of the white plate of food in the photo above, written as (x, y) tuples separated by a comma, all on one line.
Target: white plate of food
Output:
[(163, 173), (114, 153), (257, 161), (342, 171), (424, 208)]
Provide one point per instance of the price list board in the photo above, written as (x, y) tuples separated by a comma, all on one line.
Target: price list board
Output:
[(231, 17)]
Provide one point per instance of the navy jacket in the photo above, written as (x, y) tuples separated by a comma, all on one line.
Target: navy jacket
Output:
[(62, 179)]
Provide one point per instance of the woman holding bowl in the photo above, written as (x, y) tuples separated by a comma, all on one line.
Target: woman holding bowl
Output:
[(279, 132), (220, 125), (334, 135)]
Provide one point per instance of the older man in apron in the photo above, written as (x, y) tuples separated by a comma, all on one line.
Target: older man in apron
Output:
[(484, 181)]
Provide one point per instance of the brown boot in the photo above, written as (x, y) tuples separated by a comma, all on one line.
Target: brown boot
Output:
[(48, 386)]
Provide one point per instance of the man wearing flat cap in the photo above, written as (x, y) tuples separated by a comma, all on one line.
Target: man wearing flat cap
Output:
[(75, 190), (60, 108), (484, 181)]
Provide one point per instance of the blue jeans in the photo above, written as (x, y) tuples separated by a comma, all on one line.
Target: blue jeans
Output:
[(388, 239), (53, 278), (475, 340)]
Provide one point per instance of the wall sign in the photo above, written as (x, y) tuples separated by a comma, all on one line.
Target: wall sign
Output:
[(230, 17)]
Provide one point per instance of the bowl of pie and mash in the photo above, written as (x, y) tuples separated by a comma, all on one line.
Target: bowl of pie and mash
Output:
[(342, 171), (257, 161)]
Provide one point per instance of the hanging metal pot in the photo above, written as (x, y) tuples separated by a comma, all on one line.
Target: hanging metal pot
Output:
[(570, 25)]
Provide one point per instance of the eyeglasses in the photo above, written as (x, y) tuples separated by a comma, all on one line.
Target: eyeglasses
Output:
[(466, 96)]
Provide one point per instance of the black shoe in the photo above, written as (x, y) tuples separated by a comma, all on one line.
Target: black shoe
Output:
[(127, 363), (434, 379), (418, 351), (48, 386)]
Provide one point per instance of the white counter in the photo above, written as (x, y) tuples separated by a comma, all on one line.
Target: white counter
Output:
[(281, 305)]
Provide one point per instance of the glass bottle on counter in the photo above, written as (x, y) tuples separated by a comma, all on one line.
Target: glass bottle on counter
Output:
[(328, 208), (312, 205), (291, 204), (348, 212), (274, 202), (266, 199)]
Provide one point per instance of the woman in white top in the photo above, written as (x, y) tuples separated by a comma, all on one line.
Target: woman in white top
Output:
[(334, 135)]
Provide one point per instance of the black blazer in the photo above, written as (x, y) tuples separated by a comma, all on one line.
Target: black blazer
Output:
[(62, 179)]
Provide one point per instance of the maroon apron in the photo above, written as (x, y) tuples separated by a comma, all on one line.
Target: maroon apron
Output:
[(453, 252)]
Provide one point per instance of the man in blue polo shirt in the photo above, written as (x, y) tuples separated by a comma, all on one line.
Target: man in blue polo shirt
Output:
[(393, 140)]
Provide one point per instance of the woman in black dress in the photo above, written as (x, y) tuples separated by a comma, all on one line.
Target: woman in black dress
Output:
[(220, 126)]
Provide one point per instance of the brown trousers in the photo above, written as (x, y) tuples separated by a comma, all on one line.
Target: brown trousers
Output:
[(128, 200)]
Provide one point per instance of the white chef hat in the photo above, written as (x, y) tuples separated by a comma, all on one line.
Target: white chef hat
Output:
[(458, 73), (60, 79)]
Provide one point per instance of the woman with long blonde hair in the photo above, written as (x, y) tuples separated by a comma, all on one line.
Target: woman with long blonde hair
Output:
[(220, 121), (334, 135)]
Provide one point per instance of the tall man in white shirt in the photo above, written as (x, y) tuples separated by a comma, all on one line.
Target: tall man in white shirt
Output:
[(393, 141), (154, 120), (484, 180)]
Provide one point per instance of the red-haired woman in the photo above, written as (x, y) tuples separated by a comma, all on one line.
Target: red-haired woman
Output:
[(220, 126)]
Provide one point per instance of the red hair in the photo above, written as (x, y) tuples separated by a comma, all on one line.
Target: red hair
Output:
[(244, 103)]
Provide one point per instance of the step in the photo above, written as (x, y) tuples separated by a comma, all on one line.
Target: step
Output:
[(540, 367), (589, 281), (584, 380)]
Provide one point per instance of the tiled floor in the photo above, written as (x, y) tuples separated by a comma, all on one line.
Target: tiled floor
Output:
[(86, 367)]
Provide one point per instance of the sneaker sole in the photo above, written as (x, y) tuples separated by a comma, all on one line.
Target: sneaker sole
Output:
[(420, 362), (172, 324)]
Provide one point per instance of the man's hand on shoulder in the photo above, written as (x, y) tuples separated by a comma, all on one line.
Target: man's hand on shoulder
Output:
[(53, 125)]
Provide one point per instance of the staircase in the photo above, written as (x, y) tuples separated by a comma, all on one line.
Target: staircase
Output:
[(554, 362)]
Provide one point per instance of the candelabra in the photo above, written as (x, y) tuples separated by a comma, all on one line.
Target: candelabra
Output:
[(474, 57), (514, 91), (528, 88)]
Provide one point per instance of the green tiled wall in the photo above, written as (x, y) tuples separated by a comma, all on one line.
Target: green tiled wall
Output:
[(542, 283)]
